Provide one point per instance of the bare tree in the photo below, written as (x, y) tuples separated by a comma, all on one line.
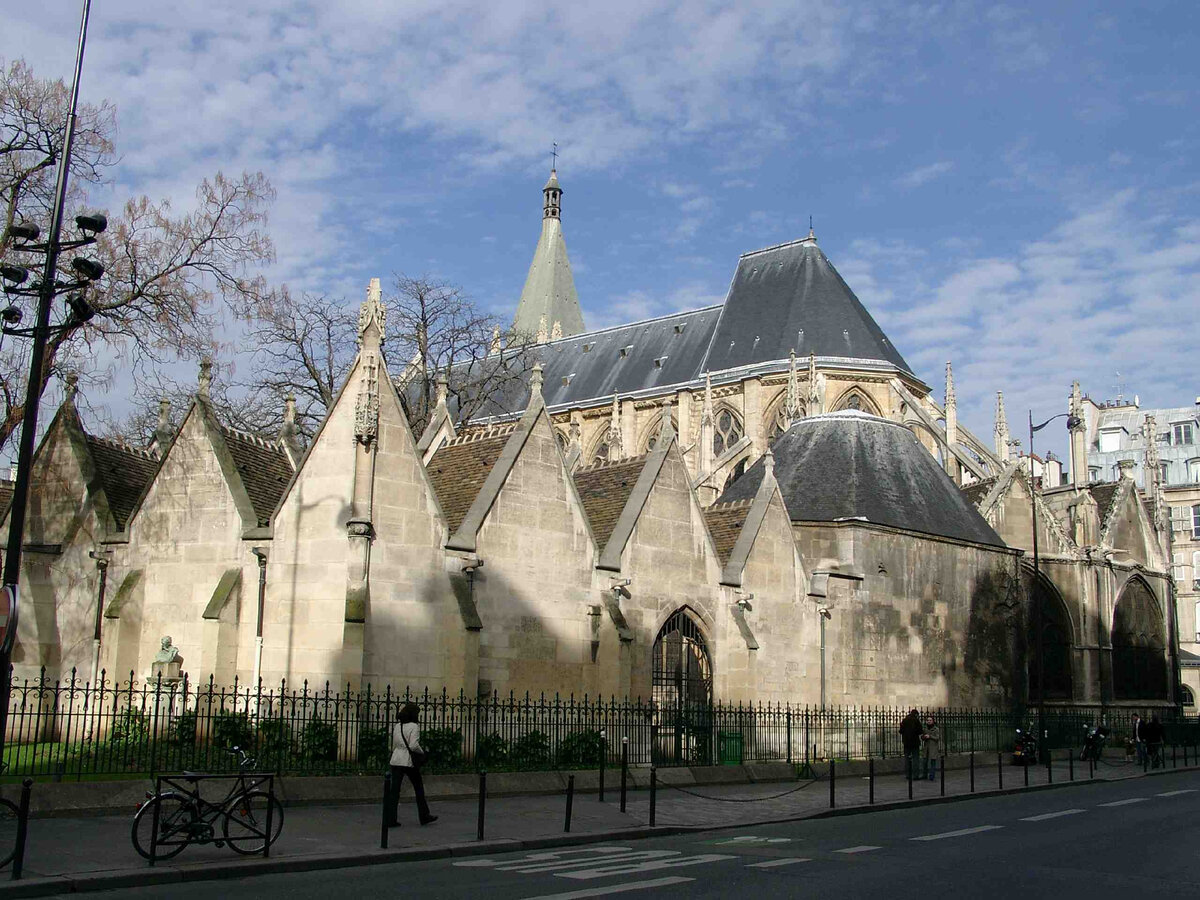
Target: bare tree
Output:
[(437, 331), (170, 278)]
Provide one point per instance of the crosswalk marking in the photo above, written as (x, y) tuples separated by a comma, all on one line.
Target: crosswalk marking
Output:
[(1177, 793), (1126, 802), (960, 833), (1054, 815), (861, 849), (615, 888), (605, 869), (772, 863)]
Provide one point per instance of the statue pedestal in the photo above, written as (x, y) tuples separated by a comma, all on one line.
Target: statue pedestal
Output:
[(168, 671)]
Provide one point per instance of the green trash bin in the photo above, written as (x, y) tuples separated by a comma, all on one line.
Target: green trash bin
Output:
[(729, 748)]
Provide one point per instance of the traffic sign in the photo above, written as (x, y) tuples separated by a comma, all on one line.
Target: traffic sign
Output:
[(8, 618)]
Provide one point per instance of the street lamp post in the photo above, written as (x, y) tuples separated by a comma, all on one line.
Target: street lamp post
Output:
[(45, 291), (1040, 624)]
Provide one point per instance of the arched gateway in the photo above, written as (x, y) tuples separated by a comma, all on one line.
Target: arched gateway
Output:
[(1139, 665), (682, 678)]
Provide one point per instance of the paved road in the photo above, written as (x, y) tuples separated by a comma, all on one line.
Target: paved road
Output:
[(1135, 837)]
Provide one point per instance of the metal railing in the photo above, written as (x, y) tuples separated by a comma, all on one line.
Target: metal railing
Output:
[(73, 730)]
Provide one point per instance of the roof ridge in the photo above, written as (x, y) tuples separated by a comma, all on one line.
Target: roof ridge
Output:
[(120, 445), (261, 442), (727, 505), (807, 239), (610, 463), (624, 325)]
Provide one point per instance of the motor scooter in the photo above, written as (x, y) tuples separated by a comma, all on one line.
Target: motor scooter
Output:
[(1025, 752), (1093, 742)]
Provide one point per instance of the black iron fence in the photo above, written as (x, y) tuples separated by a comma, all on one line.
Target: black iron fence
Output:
[(71, 729)]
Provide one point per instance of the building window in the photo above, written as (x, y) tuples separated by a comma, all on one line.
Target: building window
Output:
[(1196, 522), (728, 432), (1110, 441), (1182, 433), (1163, 469), (1186, 697), (1093, 473), (1193, 471), (601, 454), (653, 441)]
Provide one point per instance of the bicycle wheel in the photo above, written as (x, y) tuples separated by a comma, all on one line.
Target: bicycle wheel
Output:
[(8, 832), (246, 821), (175, 816)]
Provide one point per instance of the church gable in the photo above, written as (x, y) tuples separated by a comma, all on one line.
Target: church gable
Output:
[(604, 489), (1126, 527)]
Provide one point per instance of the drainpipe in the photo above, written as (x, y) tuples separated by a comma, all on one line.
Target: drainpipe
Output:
[(824, 614), (260, 554), (102, 558)]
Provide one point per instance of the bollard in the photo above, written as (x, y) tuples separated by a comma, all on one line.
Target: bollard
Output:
[(482, 804), (1071, 764), (387, 796), (1049, 767), (1025, 769), (943, 788), (1146, 761), (832, 782), (653, 793), (971, 759), (603, 755), (22, 829), (1091, 768), (1185, 756), (570, 801), (908, 768), (1174, 757), (871, 780), (624, 769), (1000, 770)]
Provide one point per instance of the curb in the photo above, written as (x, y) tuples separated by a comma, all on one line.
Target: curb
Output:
[(198, 872)]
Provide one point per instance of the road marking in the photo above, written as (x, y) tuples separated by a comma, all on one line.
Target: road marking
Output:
[(525, 867), (580, 855), (772, 863), (753, 839), (615, 889), (1054, 815), (1177, 793), (960, 833), (1126, 802), (604, 869), (862, 849)]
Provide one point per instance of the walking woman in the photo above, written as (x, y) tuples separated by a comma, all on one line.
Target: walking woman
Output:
[(407, 757)]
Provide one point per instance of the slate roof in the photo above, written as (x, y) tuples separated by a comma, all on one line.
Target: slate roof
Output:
[(124, 473), (725, 521), (264, 468), (1103, 493), (790, 297), (604, 489), (782, 298), (849, 465), (461, 466), (978, 490)]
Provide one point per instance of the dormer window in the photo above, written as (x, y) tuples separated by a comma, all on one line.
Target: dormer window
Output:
[(1110, 440), (1182, 433)]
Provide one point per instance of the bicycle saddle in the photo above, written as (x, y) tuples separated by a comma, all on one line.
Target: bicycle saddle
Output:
[(191, 776)]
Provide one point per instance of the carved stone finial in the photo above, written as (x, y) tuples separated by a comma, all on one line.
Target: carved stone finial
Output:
[(496, 346), (535, 381), (951, 399), (366, 405), (204, 382), (791, 403), (72, 387), (542, 333), (613, 436), (162, 429), (373, 312), (814, 386), (556, 331), (1000, 429), (443, 389), (769, 462), (666, 429)]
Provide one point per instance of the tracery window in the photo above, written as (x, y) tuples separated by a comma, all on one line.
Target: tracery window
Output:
[(727, 433), (779, 422), (601, 452), (653, 441)]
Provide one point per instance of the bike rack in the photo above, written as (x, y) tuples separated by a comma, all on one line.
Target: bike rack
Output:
[(189, 786)]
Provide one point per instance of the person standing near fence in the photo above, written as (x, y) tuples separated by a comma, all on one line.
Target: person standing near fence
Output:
[(407, 758), (932, 742), (1155, 735), (910, 736), (1139, 738)]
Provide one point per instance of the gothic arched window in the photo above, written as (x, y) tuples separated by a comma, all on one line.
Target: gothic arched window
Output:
[(728, 431), (600, 454), (778, 422), (652, 442)]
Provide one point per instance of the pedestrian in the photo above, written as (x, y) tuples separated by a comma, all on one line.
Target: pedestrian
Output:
[(910, 736), (1155, 735), (1139, 739), (931, 741), (407, 757)]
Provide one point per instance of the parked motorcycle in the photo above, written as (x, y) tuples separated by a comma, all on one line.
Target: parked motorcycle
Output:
[(1093, 742), (1025, 752)]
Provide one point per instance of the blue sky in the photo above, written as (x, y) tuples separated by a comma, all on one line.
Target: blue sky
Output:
[(1013, 188)]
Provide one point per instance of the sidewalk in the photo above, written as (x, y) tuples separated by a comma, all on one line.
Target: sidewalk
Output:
[(95, 852)]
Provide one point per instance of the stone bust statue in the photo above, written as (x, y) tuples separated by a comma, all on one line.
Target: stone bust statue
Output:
[(169, 652)]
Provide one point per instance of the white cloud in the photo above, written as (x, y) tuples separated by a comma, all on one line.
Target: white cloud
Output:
[(924, 174)]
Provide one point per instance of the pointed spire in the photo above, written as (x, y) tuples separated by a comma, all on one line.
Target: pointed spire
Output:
[(1079, 471), (72, 387), (162, 428), (769, 463), (549, 290), (1150, 439), (1000, 430), (707, 426), (204, 382), (574, 443), (815, 406), (951, 407), (613, 436), (372, 313)]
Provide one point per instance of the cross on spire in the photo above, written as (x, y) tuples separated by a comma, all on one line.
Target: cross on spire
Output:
[(554, 155)]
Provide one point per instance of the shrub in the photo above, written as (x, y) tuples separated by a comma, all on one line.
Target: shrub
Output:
[(232, 729), (375, 746), (320, 740), (530, 751), (491, 750), (444, 746), (183, 729), (580, 750), (130, 730), (274, 740)]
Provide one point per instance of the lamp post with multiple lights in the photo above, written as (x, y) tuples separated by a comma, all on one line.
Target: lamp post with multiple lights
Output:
[(24, 238)]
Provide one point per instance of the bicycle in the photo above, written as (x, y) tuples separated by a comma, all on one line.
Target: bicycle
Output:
[(184, 817)]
